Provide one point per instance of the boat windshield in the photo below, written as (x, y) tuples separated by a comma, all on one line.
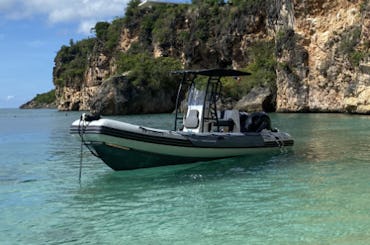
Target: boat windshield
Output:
[(196, 97)]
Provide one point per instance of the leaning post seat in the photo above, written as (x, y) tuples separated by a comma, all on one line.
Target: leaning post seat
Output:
[(230, 119), (192, 120)]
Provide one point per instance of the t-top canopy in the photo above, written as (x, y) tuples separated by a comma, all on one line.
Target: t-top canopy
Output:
[(214, 72)]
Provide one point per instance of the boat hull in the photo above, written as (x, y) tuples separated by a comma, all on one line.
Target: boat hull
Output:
[(124, 146), (119, 158)]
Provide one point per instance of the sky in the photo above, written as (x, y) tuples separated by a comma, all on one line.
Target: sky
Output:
[(32, 32)]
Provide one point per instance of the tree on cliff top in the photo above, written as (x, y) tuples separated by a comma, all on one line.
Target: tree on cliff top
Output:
[(101, 31)]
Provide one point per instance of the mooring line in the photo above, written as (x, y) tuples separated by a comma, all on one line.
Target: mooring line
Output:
[(280, 143), (81, 157), (81, 131)]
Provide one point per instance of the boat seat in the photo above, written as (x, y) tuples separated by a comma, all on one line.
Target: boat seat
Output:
[(225, 123), (232, 118), (192, 120)]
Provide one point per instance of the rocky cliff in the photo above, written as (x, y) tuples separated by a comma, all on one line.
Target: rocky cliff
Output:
[(323, 55), (319, 59)]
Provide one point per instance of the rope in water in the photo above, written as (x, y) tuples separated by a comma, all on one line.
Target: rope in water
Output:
[(81, 131), (83, 124)]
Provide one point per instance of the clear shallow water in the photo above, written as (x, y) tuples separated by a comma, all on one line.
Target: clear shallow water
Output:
[(318, 193)]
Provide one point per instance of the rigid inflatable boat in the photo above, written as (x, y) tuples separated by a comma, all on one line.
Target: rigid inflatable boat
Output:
[(201, 133)]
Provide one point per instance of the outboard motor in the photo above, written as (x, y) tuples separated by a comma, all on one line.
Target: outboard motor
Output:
[(90, 117), (257, 122), (243, 117)]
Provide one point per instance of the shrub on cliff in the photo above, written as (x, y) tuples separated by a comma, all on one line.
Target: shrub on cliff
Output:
[(45, 98), (71, 62), (145, 71), (107, 34), (350, 45), (262, 66), (101, 31)]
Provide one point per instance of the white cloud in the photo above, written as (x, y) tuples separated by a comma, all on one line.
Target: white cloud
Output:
[(83, 12), (85, 26), (9, 97)]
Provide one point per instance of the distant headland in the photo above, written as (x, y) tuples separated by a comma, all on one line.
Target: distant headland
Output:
[(45, 100)]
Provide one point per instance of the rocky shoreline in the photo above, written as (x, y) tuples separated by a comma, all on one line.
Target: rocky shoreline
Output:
[(34, 105)]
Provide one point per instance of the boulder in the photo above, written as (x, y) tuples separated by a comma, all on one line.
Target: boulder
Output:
[(258, 99)]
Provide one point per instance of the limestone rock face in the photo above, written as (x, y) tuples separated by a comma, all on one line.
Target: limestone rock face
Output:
[(322, 52), (321, 47), (117, 95), (76, 94), (258, 99), (225, 48)]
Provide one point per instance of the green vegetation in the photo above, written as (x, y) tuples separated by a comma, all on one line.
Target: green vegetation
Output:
[(355, 57), (262, 66), (145, 71), (209, 18), (350, 39), (363, 6), (45, 98), (72, 62), (285, 40), (247, 6), (101, 31), (348, 45), (158, 23), (173, 27), (108, 34)]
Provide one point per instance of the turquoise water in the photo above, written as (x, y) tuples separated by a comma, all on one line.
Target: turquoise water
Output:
[(317, 193)]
